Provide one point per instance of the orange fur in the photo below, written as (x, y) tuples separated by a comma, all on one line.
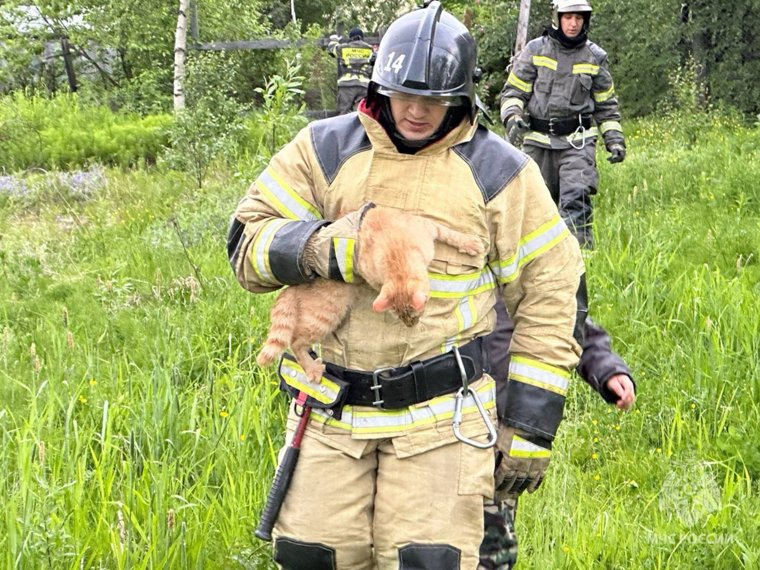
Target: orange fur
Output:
[(395, 249)]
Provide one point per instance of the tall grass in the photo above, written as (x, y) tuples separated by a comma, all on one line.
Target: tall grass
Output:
[(137, 431)]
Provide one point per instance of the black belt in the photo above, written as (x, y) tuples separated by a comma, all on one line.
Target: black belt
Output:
[(394, 388), (563, 126)]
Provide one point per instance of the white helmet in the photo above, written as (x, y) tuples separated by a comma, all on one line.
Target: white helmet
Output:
[(567, 6)]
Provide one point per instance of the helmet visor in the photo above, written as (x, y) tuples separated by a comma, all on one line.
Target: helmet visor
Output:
[(454, 101)]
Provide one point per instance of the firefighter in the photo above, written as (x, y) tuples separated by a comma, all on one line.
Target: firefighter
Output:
[(558, 98), (354, 59), (601, 368), (396, 462)]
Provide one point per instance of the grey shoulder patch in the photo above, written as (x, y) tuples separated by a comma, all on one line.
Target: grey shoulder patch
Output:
[(596, 51), (336, 140), (493, 161)]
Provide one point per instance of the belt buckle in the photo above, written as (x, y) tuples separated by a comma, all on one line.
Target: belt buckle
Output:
[(378, 402), (551, 125)]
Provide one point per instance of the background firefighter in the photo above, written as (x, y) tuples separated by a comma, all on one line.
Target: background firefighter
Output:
[(560, 97), (354, 60)]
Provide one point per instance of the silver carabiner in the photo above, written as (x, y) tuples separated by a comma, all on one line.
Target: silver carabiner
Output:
[(456, 421), (581, 129)]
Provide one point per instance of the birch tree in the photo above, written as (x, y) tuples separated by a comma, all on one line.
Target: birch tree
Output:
[(180, 54)]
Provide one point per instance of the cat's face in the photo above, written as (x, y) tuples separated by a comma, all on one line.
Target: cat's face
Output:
[(405, 298)]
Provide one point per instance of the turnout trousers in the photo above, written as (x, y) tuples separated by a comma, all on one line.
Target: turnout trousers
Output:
[(388, 504), (572, 178)]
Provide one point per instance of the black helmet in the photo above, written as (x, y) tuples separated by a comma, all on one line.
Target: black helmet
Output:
[(428, 52), (356, 33)]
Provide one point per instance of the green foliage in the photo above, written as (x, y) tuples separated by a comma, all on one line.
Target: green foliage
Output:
[(281, 110), (138, 432), (64, 133), (211, 125)]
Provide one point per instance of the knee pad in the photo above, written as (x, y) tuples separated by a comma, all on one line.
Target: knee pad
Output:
[(429, 557), (293, 554)]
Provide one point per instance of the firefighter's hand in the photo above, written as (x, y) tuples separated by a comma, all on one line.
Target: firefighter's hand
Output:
[(622, 386), (331, 251), (515, 126), (520, 463), (617, 153)]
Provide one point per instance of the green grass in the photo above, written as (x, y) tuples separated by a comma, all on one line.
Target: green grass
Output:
[(137, 431)]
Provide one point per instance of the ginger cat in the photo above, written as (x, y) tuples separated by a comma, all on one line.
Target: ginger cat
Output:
[(395, 249)]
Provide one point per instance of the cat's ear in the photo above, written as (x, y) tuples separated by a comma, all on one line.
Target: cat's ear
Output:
[(418, 301), (382, 303)]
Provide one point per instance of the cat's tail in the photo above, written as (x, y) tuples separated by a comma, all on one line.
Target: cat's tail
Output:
[(282, 325)]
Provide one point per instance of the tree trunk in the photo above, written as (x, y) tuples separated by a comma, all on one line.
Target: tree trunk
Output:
[(68, 64), (522, 26), (180, 54)]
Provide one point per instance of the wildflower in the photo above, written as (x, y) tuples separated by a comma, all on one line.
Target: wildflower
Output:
[(594, 456), (658, 450), (596, 440), (242, 437), (693, 406), (93, 382), (597, 477), (565, 548), (82, 399), (224, 413)]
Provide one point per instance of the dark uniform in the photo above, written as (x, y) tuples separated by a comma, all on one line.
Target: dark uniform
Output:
[(563, 91), (355, 59)]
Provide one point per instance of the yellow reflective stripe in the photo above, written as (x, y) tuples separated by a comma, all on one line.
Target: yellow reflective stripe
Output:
[(465, 313), (286, 200), (456, 286), (539, 374), (579, 135), (325, 392), (588, 68), (368, 421), (353, 77), (543, 61), (602, 96), (259, 255), (513, 102), (355, 53), (524, 448), (530, 247), (344, 254), (519, 83), (538, 137), (610, 126)]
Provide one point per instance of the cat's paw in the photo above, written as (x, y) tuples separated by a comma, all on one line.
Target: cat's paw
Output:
[(314, 370), (471, 246)]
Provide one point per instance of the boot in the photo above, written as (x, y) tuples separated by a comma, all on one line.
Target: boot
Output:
[(498, 551)]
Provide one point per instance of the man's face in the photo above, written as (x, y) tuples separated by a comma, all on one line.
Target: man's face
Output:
[(416, 117), (571, 24)]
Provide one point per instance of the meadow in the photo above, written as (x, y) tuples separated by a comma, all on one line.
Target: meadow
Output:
[(136, 430)]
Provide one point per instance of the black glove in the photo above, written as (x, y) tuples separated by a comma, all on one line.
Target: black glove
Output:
[(617, 153), (515, 126)]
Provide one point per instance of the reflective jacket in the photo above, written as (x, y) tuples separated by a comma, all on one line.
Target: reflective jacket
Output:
[(354, 62), (336, 165), (551, 81)]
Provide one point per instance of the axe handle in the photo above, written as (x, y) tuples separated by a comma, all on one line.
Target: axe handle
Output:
[(282, 481)]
